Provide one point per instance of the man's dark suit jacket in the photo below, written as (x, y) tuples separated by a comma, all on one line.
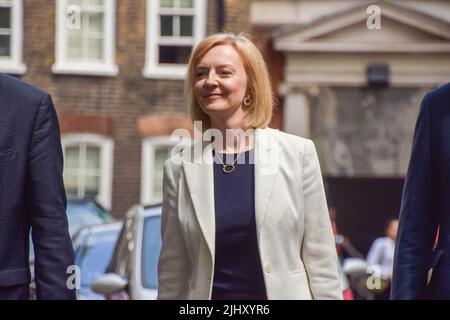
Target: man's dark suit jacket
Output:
[(32, 193), (425, 206)]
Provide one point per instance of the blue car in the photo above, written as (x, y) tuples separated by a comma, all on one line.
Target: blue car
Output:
[(82, 213), (133, 271), (93, 246)]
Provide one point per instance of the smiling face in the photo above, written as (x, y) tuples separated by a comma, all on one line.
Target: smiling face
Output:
[(220, 82)]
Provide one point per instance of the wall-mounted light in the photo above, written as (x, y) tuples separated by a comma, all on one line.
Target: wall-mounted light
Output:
[(378, 75)]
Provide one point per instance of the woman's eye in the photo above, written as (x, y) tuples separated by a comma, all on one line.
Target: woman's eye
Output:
[(225, 72), (200, 74)]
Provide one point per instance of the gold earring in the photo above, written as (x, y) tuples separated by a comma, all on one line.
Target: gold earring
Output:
[(247, 101)]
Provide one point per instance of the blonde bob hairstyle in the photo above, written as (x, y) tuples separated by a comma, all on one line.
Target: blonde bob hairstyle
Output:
[(258, 82)]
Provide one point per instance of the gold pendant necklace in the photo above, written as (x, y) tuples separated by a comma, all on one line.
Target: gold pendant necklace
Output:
[(228, 168)]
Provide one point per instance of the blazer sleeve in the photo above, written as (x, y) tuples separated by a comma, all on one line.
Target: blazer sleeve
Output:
[(318, 248), (173, 260), (417, 227), (46, 206)]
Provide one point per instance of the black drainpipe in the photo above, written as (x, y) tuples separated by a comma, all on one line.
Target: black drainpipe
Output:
[(221, 16)]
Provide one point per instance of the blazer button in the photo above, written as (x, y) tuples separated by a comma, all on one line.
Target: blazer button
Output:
[(267, 268)]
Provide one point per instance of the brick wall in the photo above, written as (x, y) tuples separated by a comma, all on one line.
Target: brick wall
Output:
[(124, 99)]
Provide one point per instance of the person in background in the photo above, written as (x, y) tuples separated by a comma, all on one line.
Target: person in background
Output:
[(381, 252), (381, 256), (344, 247)]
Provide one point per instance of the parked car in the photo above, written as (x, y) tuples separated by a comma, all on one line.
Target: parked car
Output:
[(80, 213), (93, 247), (85, 212), (132, 273)]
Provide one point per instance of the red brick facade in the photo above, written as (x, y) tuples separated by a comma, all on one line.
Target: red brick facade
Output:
[(126, 107), (84, 123), (164, 124)]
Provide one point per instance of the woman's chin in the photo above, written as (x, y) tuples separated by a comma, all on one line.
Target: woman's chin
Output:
[(212, 107)]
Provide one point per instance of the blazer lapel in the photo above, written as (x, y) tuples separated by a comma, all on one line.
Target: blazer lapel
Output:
[(266, 169), (200, 180)]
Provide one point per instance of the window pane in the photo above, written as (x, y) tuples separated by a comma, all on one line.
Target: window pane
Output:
[(166, 3), (95, 49), (94, 2), (5, 18), (71, 184), (161, 155), (86, 2), (95, 22), (92, 157), (74, 50), (75, 2), (5, 46), (71, 160), (174, 54), (91, 187), (186, 23), (166, 25), (186, 3)]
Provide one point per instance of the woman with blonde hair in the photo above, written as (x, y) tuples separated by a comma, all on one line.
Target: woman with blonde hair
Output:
[(245, 218)]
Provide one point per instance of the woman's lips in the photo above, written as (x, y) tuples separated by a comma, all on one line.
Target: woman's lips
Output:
[(213, 96)]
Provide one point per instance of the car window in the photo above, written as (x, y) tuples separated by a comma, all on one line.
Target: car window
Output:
[(94, 255), (81, 215), (151, 247)]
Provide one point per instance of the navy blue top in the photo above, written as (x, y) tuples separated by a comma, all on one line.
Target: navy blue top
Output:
[(237, 269)]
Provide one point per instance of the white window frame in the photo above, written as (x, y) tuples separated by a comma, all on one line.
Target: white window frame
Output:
[(155, 70), (106, 68), (149, 146), (106, 146), (13, 64)]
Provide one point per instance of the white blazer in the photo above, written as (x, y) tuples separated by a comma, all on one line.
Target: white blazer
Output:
[(297, 250)]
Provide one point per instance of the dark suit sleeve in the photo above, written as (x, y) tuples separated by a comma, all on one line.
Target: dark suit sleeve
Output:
[(46, 206), (417, 229)]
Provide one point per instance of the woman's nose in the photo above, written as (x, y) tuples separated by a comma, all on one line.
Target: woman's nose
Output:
[(211, 80)]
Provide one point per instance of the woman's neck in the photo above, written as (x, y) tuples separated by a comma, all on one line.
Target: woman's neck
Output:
[(236, 136)]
